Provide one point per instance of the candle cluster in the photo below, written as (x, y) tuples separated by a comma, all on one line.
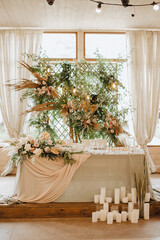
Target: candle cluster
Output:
[(119, 196)]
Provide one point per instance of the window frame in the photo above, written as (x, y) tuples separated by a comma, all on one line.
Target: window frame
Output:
[(94, 59), (63, 59)]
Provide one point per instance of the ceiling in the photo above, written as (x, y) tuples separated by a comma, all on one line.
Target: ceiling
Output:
[(76, 14)]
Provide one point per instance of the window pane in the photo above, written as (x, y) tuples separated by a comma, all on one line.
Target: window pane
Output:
[(59, 45), (108, 45)]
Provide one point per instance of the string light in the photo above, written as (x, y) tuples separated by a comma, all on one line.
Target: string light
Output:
[(155, 6), (125, 3), (88, 97), (74, 90), (99, 8), (113, 85), (48, 70)]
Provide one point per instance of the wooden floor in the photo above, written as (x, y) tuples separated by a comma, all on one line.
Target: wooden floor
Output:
[(61, 210)]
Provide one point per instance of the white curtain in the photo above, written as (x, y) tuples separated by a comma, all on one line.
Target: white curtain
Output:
[(144, 50), (13, 44)]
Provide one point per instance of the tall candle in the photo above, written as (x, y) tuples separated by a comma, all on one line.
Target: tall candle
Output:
[(94, 217), (125, 200), (103, 215), (103, 191), (109, 199), (124, 216), (114, 212), (123, 192), (137, 212), (129, 195), (106, 206), (96, 198), (98, 215), (134, 195), (134, 218), (147, 197), (146, 211), (110, 218), (102, 199), (118, 218), (130, 206), (117, 196)]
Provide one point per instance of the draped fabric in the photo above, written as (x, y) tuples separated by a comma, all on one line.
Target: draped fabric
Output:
[(13, 44), (45, 180), (144, 51)]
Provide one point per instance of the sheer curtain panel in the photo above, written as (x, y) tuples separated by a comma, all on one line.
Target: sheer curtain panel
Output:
[(144, 66), (13, 44)]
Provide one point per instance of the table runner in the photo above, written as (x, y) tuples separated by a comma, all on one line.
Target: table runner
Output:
[(45, 180)]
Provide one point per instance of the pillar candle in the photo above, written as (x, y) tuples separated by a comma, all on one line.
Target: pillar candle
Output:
[(117, 196), (134, 195), (124, 216), (103, 191), (134, 218), (147, 197), (137, 212), (114, 214), (102, 198), (94, 217), (109, 199), (110, 218), (125, 200), (96, 198), (129, 195), (118, 218), (146, 211), (106, 206), (123, 192), (103, 215), (130, 206), (98, 215)]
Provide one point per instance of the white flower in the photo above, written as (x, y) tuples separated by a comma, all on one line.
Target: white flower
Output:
[(23, 140), (36, 144), (19, 145), (41, 138), (24, 152), (49, 142), (37, 152), (43, 88), (27, 147), (44, 83), (47, 149), (112, 131)]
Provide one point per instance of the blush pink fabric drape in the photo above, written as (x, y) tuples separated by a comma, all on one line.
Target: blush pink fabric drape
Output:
[(45, 180)]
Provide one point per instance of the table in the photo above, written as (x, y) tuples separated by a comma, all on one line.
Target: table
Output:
[(92, 171)]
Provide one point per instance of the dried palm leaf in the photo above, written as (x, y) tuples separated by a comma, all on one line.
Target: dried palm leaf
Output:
[(35, 74), (42, 107), (25, 83)]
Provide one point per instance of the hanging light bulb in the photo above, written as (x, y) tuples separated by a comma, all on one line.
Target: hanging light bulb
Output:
[(74, 90), (113, 85), (98, 9), (88, 97), (48, 70), (155, 6)]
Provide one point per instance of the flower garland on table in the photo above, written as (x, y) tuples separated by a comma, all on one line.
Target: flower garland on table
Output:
[(28, 147)]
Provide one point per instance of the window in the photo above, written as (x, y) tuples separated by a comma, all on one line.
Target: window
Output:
[(109, 45), (60, 45)]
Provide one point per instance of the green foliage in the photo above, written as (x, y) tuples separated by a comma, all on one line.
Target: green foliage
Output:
[(94, 84)]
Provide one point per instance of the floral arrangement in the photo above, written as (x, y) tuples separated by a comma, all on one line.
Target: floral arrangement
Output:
[(28, 147), (80, 93)]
